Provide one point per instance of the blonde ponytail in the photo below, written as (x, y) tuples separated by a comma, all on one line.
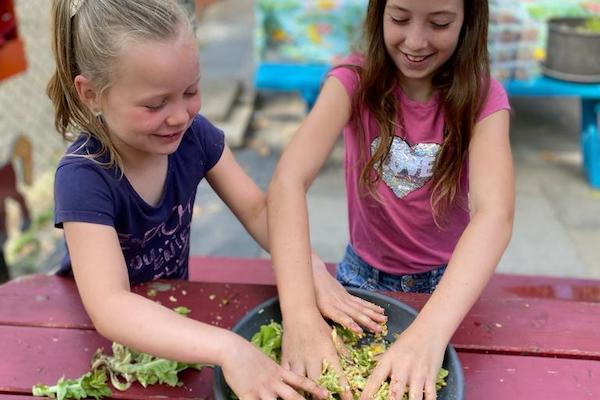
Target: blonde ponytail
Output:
[(68, 108)]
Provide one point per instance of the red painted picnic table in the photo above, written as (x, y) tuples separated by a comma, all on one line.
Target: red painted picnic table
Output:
[(526, 338)]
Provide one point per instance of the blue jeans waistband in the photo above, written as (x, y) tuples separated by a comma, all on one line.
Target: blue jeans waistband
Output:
[(355, 272)]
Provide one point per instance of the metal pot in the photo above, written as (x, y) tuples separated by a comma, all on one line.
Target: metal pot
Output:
[(572, 53), (399, 318)]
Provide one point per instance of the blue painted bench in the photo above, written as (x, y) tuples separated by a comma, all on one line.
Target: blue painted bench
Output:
[(306, 79)]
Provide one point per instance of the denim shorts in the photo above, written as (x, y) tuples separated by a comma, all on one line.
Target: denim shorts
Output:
[(353, 271)]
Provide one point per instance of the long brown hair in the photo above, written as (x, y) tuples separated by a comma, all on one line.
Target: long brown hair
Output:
[(463, 82), (88, 41)]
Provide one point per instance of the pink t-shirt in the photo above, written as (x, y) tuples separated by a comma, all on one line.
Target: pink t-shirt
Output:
[(398, 235)]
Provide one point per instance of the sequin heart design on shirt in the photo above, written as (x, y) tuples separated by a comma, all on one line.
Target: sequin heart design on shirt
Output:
[(407, 168)]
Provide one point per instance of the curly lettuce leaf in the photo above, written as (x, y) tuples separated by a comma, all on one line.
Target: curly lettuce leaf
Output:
[(268, 340), (126, 366), (92, 384)]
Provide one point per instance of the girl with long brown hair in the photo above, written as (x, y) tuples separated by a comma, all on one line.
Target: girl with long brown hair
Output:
[(429, 184)]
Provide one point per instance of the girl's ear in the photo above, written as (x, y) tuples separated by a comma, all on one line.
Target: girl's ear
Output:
[(87, 93)]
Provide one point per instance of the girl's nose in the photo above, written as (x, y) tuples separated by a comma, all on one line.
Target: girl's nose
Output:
[(416, 39), (178, 116)]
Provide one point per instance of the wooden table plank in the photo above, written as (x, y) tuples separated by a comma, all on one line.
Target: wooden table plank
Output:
[(505, 325), (502, 377), (52, 301), (543, 287), (41, 300), (260, 271), (41, 355), (526, 326), (33, 355)]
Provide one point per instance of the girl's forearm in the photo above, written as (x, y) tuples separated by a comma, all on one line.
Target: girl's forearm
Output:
[(257, 228), (290, 247), (472, 264), (149, 327)]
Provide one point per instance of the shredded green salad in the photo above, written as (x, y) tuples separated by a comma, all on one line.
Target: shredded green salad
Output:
[(358, 356)]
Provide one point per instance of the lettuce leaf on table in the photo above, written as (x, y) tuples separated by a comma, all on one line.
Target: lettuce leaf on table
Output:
[(92, 384)]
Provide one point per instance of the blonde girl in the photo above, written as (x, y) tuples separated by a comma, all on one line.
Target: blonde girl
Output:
[(126, 79)]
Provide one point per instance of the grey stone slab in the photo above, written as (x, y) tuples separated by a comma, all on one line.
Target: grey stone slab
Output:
[(587, 243), (226, 37), (219, 96), (215, 230), (236, 126), (540, 245), (575, 205), (328, 213)]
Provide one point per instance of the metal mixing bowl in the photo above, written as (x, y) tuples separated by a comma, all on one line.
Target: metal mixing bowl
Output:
[(399, 317)]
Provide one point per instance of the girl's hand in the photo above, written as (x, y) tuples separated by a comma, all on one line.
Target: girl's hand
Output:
[(414, 361), (307, 343), (252, 375), (336, 304)]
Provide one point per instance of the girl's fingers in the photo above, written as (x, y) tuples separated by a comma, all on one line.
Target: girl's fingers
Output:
[(377, 377), (368, 304), (300, 383), (429, 390), (347, 393), (297, 368), (365, 316), (375, 316), (340, 347), (313, 370), (346, 319), (287, 393), (285, 364), (370, 323), (398, 387), (415, 388), (365, 306)]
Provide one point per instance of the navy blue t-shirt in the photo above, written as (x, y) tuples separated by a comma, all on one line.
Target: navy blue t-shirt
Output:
[(155, 240)]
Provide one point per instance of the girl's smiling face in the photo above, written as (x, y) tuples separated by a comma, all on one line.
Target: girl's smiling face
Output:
[(154, 96), (421, 35)]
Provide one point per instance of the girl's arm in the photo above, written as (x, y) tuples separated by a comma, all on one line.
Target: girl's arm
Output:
[(416, 356), (307, 339), (243, 197), (130, 319), (249, 204)]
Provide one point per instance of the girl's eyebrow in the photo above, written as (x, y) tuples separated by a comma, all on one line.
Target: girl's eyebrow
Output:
[(160, 95), (444, 12), (197, 81), (440, 12)]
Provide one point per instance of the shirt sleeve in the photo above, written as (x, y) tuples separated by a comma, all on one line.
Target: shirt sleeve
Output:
[(82, 194), (209, 139), (345, 73), (496, 100)]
